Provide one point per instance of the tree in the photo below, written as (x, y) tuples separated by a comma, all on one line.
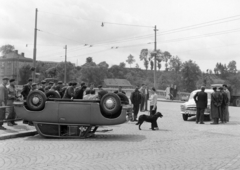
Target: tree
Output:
[(89, 62), (71, 71), (137, 66), (25, 73), (130, 60), (122, 65), (175, 64), (232, 68), (190, 73), (159, 65), (52, 72), (103, 64), (152, 63), (117, 71), (6, 49), (146, 63)]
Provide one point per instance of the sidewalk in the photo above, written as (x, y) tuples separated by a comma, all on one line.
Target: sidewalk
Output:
[(19, 130)]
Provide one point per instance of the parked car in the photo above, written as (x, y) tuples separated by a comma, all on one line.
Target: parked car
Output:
[(56, 117), (189, 108)]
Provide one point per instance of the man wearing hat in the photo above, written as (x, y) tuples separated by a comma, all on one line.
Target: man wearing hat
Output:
[(42, 87), (3, 101), (59, 87), (201, 101), (50, 84), (225, 88), (26, 89), (224, 105), (34, 86), (12, 95)]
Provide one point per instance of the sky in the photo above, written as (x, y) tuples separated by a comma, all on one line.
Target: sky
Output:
[(204, 31)]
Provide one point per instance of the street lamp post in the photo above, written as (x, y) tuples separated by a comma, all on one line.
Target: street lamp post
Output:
[(35, 47)]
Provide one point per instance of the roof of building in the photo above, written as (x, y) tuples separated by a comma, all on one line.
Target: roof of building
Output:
[(117, 82)]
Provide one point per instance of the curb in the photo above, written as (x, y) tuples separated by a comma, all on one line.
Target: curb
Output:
[(18, 134)]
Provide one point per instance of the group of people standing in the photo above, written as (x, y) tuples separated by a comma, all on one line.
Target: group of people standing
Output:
[(139, 99), (220, 100)]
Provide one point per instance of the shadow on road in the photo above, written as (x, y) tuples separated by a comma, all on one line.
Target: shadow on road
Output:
[(96, 137)]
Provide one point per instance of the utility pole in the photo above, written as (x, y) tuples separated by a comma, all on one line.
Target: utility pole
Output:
[(35, 47), (65, 74), (155, 50)]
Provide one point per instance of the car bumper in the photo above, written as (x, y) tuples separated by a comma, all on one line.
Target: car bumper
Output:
[(193, 113)]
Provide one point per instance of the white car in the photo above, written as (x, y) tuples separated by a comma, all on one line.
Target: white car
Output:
[(189, 108)]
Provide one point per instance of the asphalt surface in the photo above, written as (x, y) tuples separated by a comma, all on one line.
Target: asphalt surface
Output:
[(179, 145)]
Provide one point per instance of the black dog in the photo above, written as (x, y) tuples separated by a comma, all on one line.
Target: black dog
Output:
[(152, 119)]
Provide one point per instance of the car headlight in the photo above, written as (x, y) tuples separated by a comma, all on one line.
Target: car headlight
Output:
[(183, 108)]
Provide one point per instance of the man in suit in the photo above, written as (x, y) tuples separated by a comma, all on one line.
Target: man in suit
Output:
[(201, 101), (3, 101), (79, 93), (142, 90), (69, 93), (59, 87), (136, 98), (42, 87), (146, 98), (26, 89), (229, 98)]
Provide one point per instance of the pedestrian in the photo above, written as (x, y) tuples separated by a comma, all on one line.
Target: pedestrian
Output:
[(79, 93), (101, 92), (120, 90), (216, 102), (153, 105), (223, 117), (12, 96), (3, 101), (69, 92), (49, 87), (229, 98), (175, 92), (26, 89), (34, 87), (42, 86), (59, 87), (171, 92), (91, 88), (136, 100), (201, 100), (142, 90), (146, 98)]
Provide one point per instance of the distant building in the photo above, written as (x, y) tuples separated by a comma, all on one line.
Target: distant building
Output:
[(115, 83), (11, 62)]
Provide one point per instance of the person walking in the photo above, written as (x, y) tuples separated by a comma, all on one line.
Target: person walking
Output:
[(153, 105), (26, 89), (223, 117), (229, 98), (3, 101), (201, 101), (136, 100), (12, 96), (216, 102)]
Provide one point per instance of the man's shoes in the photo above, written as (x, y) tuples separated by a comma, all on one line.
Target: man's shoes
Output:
[(25, 122), (10, 124), (156, 128), (196, 122), (14, 123), (30, 124), (201, 123), (2, 128)]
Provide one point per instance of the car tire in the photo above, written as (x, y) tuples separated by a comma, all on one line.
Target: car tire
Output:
[(110, 105), (124, 99), (53, 94), (36, 100), (185, 117)]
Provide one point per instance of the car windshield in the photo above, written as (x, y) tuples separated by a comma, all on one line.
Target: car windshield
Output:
[(194, 92)]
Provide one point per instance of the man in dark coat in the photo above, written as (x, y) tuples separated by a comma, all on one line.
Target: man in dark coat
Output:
[(69, 93), (79, 93), (201, 101), (136, 100), (59, 87), (225, 101), (216, 102), (42, 87), (3, 100), (26, 89)]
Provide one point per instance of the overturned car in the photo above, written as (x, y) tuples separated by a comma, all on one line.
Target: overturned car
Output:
[(56, 117)]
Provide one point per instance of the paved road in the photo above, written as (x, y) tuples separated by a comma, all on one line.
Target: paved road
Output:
[(177, 145)]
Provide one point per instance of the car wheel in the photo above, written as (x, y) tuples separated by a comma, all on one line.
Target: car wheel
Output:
[(185, 117), (124, 99), (110, 105), (53, 94), (36, 100), (237, 102)]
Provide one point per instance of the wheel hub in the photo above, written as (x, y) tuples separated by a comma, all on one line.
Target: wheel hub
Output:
[(35, 100), (110, 103)]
